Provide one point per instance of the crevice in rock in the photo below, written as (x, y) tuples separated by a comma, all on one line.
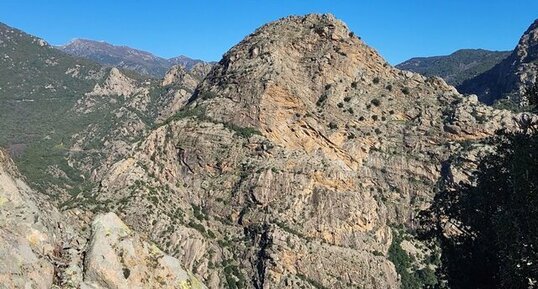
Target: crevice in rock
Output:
[(260, 234)]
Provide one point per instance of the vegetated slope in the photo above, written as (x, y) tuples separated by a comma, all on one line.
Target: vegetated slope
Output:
[(126, 57), (511, 78), (296, 160), (456, 67), (39, 87), (63, 117), (35, 85)]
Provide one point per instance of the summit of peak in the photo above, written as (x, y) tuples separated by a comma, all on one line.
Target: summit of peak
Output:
[(534, 26), (308, 72), (527, 48), (300, 54), (325, 25)]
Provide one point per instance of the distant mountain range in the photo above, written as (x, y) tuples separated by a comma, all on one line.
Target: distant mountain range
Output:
[(456, 67), (126, 57), (491, 75), (511, 79)]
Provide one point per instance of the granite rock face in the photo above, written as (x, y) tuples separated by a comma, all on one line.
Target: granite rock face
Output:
[(131, 108), (289, 164), (30, 237), (42, 248), (119, 258), (115, 84), (294, 160)]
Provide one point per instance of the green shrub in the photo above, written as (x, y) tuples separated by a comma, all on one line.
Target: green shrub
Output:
[(321, 100), (412, 277), (333, 125), (198, 227), (207, 95), (245, 132), (234, 277)]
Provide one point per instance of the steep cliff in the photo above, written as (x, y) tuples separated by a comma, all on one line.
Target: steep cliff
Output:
[(295, 160)]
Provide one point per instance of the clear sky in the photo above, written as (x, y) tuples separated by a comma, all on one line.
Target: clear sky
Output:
[(398, 29)]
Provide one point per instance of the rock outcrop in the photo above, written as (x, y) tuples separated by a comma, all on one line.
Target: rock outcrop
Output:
[(178, 75), (116, 84), (118, 258), (42, 248), (133, 109), (295, 159), (513, 77), (290, 165), (31, 237)]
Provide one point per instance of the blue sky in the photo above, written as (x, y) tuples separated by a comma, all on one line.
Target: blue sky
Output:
[(398, 29)]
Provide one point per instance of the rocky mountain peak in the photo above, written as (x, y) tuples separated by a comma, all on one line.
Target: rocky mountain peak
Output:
[(305, 142), (527, 48), (86, 47), (304, 81), (115, 84), (177, 74), (296, 164), (299, 56)]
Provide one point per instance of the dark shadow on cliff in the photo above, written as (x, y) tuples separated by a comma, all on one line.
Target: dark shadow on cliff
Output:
[(488, 230)]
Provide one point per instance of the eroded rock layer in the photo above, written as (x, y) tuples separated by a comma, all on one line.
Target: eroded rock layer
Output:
[(294, 159)]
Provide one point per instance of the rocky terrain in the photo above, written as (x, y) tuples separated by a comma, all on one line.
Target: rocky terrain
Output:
[(125, 57), (456, 67), (511, 78), (41, 248), (300, 160), (63, 118), (295, 161)]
